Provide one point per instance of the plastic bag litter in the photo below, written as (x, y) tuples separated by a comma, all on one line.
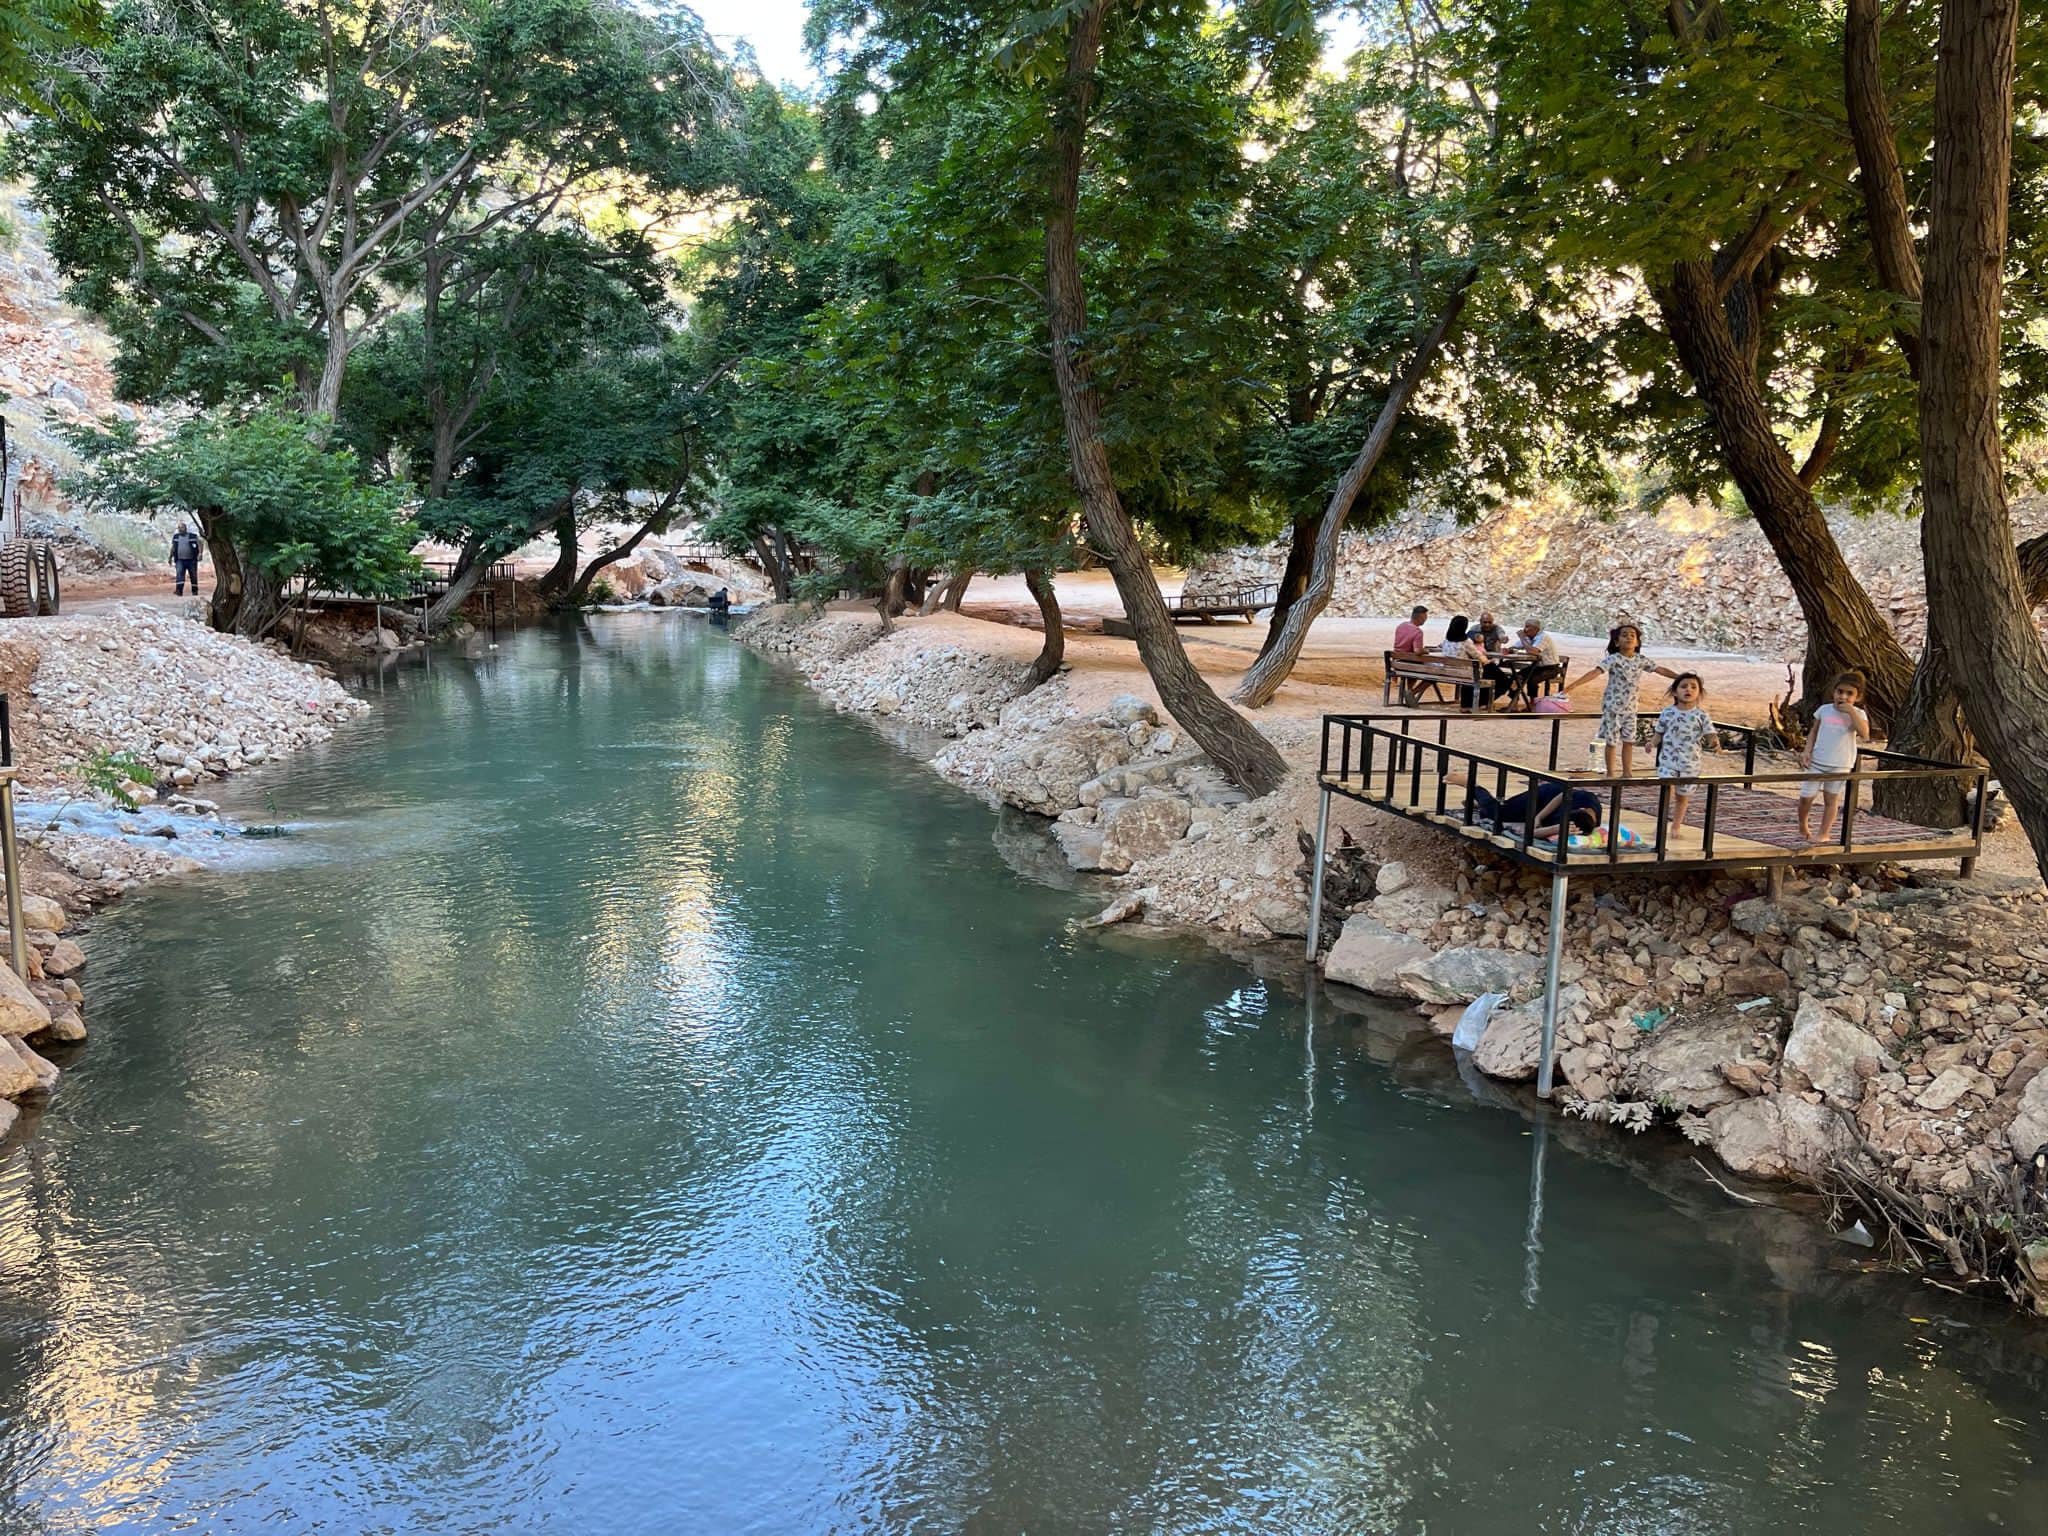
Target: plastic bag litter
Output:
[(1472, 1023)]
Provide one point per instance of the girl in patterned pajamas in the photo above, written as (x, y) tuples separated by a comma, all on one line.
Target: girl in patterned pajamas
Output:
[(1624, 666), (1683, 730)]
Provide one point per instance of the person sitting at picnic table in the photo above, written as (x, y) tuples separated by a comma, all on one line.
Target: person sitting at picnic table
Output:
[(1461, 643), (1408, 639), (1528, 681), (1490, 635), (1554, 803)]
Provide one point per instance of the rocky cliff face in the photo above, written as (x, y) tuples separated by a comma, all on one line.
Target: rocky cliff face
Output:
[(1693, 576), (56, 364)]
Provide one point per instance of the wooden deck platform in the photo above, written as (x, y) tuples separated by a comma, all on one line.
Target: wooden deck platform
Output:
[(1404, 765), (1768, 822)]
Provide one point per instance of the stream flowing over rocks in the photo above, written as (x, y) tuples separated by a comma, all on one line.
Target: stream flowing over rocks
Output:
[(178, 705), (1885, 1028)]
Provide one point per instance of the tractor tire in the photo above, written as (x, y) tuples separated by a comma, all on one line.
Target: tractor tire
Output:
[(51, 598), (18, 579)]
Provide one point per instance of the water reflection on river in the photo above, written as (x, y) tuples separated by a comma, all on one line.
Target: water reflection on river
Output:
[(636, 1103)]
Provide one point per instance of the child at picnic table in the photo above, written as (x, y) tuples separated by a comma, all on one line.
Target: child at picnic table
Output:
[(1831, 748), (1623, 666), (1684, 729)]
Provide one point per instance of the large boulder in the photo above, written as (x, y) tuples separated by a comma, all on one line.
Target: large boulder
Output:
[(2028, 1132), (21, 1011), (42, 912), (1826, 1048), (1414, 906), (1781, 1137), (1512, 1045), (16, 1075), (1046, 773), (1081, 843), (1369, 955), (1460, 975), (1682, 1062), (1142, 828)]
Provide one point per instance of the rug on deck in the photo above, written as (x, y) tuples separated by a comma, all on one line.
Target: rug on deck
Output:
[(1764, 817)]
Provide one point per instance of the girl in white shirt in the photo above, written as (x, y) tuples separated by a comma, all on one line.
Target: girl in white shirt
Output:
[(1831, 748)]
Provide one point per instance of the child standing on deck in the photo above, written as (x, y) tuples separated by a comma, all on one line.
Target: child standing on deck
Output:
[(1624, 666), (1837, 728), (1684, 730)]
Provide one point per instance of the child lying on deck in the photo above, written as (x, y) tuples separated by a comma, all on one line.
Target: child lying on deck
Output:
[(1549, 798)]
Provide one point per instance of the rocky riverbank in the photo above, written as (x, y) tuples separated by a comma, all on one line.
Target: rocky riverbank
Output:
[(1882, 1037), (119, 719)]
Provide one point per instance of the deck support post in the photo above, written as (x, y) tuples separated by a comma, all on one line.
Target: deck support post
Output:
[(17, 929), (1774, 882), (1315, 884), (1546, 1063)]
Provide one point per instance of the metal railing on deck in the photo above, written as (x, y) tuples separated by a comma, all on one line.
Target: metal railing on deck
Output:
[(1386, 753)]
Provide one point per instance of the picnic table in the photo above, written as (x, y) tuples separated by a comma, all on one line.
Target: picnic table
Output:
[(1529, 677)]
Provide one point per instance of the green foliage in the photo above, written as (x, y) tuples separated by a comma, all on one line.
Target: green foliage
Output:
[(110, 773), (291, 506), (39, 45), (261, 179)]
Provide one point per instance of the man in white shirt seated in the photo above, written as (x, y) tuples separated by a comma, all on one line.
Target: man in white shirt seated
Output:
[(1528, 683), (1536, 638)]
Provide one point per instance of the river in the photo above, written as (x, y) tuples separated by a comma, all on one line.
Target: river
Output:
[(636, 1100)]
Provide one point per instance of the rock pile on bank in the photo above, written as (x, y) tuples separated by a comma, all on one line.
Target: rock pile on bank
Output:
[(1577, 569), (914, 675), (137, 680), (1893, 1023), (43, 1011)]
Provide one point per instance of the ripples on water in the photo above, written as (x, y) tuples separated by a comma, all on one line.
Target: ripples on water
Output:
[(635, 1101)]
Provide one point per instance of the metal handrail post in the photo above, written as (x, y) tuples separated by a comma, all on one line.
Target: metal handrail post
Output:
[(1546, 1062)]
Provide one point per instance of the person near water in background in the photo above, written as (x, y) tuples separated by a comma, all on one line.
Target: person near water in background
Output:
[(1832, 748), (1624, 666), (185, 558), (721, 603), (1408, 640), (1684, 730)]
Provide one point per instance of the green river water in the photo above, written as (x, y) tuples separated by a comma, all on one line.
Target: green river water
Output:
[(639, 1100)]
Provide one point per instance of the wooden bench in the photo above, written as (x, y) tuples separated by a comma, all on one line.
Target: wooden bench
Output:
[(1415, 672), (1242, 602)]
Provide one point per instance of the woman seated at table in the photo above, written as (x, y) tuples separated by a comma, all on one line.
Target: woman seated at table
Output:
[(1461, 643), (1554, 803)]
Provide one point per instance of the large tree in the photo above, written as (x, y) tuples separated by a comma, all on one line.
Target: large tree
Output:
[(1980, 605), (260, 184)]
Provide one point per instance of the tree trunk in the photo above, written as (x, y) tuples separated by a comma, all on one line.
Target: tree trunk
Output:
[(580, 593), (562, 574), (1877, 172), (1231, 741), (1301, 550), (1977, 599), (956, 588), (470, 568), (772, 550), (226, 601), (1844, 628), (1045, 666), (1282, 652), (262, 601)]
